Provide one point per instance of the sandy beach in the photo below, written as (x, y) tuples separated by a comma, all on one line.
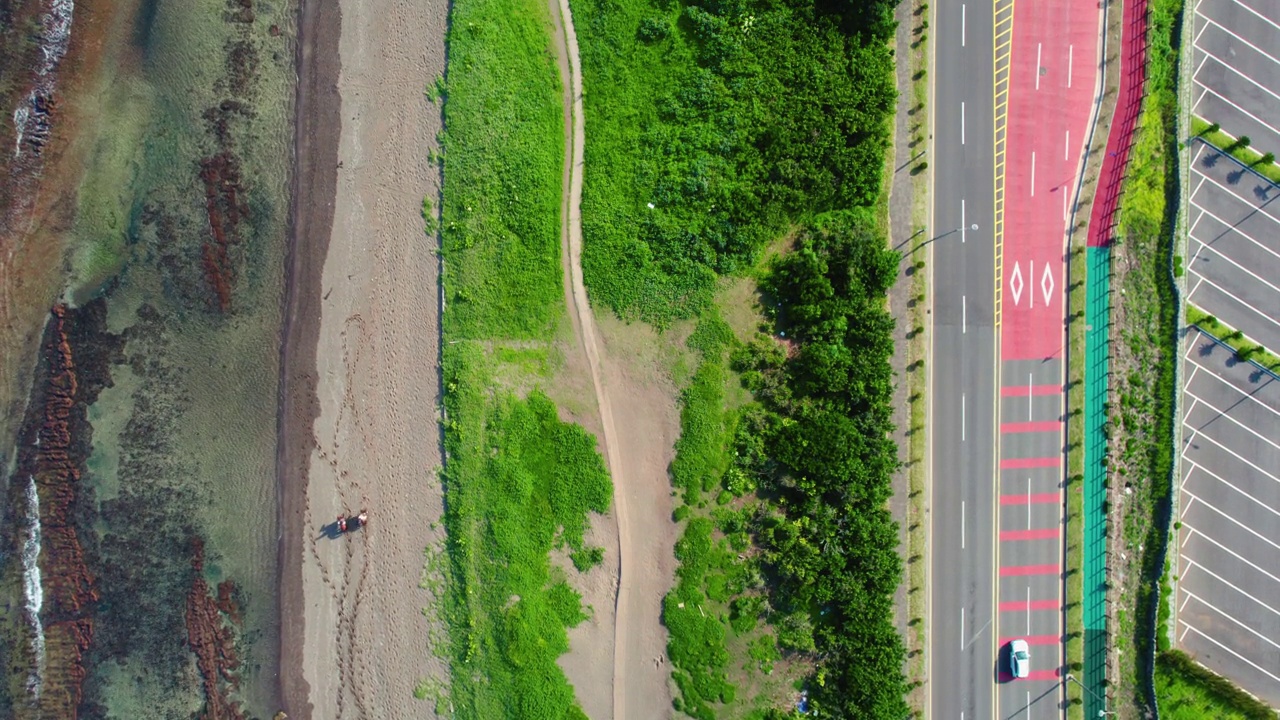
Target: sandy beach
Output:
[(359, 422)]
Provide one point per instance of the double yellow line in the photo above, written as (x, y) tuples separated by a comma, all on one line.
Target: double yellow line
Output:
[(1002, 48)]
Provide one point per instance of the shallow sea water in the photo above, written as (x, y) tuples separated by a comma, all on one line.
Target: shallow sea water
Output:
[(185, 440)]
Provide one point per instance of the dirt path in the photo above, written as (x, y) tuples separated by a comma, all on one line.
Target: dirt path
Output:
[(638, 446)]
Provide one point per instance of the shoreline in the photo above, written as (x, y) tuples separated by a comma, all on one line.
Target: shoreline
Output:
[(317, 129)]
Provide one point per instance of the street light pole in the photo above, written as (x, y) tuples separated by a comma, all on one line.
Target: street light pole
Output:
[(1101, 713)]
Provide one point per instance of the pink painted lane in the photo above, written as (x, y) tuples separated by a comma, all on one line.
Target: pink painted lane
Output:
[(1053, 76), (1022, 606), (1026, 463), (1025, 390), (1034, 639), (1031, 499), (1022, 570), (1053, 426), (1037, 534)]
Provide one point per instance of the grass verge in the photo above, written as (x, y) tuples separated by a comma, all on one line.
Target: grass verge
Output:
[(1140, 453), (519, 482), (1246, 349), (1189, 691), (1238, 148)]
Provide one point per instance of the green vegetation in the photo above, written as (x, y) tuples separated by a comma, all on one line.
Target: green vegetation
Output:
[(519, 482), (1189, 691), (1140, 452), (1238, 148), (1245, 348), (505, 150), (712, 127), (806, 542)]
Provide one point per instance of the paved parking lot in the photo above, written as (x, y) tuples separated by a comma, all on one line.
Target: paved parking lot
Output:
[(1229, 543), (1237, 67), (1233, 252)]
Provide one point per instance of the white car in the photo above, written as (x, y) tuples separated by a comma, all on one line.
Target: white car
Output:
[(1019, 658)]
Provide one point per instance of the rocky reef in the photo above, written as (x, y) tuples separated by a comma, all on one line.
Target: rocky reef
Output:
[(211, 634), (55, 445)]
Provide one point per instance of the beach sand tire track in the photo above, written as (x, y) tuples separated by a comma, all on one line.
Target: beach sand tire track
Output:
[(638, 463)]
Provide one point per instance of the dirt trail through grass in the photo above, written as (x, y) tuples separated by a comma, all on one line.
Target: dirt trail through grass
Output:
[(637, 456)]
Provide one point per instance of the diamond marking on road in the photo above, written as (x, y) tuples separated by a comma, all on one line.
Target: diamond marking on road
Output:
[(1015, 283), (1046, 284)]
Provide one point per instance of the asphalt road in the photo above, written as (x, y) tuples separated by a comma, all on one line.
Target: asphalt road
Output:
[(963, 365)]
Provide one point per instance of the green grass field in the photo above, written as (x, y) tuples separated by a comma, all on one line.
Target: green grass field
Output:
[(519, 482), (503, 158), (1188, 691)]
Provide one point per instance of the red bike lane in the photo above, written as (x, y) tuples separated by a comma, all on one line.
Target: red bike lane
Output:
[(1053, 76)]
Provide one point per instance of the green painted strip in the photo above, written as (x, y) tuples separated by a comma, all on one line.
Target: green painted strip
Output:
[(1094, 572)]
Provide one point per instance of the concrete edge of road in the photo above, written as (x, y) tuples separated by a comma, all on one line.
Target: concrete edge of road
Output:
[(1180, 238), (927, 621)]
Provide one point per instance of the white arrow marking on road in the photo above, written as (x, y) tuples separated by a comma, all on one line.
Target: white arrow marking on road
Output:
[(1015, 283), (1046, 284)]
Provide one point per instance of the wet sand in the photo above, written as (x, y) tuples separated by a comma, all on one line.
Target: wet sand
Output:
[(359, 406)]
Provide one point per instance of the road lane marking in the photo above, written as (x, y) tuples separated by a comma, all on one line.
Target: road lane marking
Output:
[(962, 414), (1066, 147), (1071, 56), (1037, 534), (1027, 463), (1019, 606), (962, 525), (1033, 173), (1023, 570), (1030, 498), (1064, 202), (1029, 389), (962, 37), (1028, 632), (961, 629), (1039, 47), (963, 226), (962, 127), (1034, 639), (964, 317), (1028, 502), (1030, 395), (1038, 426)]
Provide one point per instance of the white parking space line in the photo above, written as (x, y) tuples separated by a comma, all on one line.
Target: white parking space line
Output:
[(1204, 59), (1224, 581), (1185, 600), (1230, 67), (1227, 30), (1248, 114), (1195, 41), (1242, 658), (1186, 627), (1238, 457), (1233, 553), (1196, 103), (1227, 415), (1230, 229), (1183, 514), (1210, 605), (1203, 177), (1242, 268), (1261, 17), (1243, 394), (1228, 293), (1233, 69), (1197, 466), (1253, 205)]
